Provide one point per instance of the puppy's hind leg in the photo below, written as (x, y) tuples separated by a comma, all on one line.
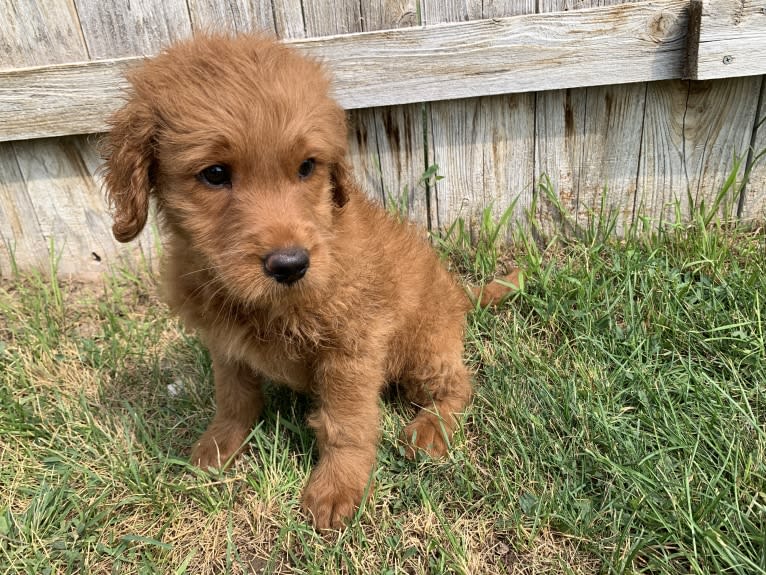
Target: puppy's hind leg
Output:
[(239, 401), (442, 390)]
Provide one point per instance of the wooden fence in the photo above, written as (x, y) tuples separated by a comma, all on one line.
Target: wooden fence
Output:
[(649, 103)]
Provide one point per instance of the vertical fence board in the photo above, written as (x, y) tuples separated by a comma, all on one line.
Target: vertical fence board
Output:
[(614, 117), (288, 18), (37, 32), (21, 239), (589, 141), (754, 202), (331, 17), (503, 8), (483, 146), (661, 176), (231, 15), (387, 142), (388, 14), (141, 27), (692, 133), (719, 122), (67, 203), (559, 131)]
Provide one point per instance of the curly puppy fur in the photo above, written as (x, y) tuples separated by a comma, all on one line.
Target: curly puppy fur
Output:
[(286, 269)]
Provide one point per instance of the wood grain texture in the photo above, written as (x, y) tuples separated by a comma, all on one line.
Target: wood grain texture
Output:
[(56, 204), (588, 146), (389, 150), (662, 179), (231, 15), (388, 14), (692, 133), (38, 32), (483, 146), (288, 18), (611, 149), (753, 202), (484, 150), (619, 44), (728, 38), (503, 8), (114, 28), (61, 100), (332, 17), (21, 241), (559, 134)]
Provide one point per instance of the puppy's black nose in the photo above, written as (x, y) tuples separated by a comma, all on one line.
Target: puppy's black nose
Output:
[(287, 266)]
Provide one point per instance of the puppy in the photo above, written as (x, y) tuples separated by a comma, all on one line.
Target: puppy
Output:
[(285, 268)]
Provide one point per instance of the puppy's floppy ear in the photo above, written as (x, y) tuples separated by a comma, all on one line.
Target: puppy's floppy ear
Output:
[(128, 150), (342, 183)]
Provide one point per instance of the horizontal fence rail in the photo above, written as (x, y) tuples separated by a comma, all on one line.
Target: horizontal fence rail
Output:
[(608, 45)]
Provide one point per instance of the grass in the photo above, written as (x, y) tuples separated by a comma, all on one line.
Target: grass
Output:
[(618, 427)]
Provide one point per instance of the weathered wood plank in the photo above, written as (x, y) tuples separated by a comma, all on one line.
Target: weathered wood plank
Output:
[(38, 32), (484, 149), (21, 242), (391, 150), (61, 100), (483, 146), (588, 143), (231, 15), (692, 132), (753, 203), (614, 117), (288, 18), (114, 28), (727, 38), (503, 9), (559, 133), (389, 14), (332, 17), (454, 130), (661, 178), (59, 206), (512, 127), (719, 121), (620, 44)]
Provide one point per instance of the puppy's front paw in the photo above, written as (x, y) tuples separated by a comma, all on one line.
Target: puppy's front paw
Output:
[(218, 446), (330, 504), (427, 433)]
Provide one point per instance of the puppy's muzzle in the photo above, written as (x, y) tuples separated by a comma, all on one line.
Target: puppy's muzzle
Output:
[(286, 266)]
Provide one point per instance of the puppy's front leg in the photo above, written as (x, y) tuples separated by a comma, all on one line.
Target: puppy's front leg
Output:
[(347, 430), (238, 403)]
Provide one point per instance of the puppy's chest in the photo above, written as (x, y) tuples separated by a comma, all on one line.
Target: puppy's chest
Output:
[(281, 352)]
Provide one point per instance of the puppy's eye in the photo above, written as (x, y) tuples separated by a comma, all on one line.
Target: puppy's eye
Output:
[(306, 168), (216, 176)]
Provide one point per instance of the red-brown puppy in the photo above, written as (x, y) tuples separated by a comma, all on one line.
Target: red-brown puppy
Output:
[(282, 264)]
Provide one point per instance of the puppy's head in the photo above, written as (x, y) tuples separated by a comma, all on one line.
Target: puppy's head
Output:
[(244, 151)]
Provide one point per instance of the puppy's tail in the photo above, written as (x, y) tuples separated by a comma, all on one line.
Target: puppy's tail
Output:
[(497, 290)]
